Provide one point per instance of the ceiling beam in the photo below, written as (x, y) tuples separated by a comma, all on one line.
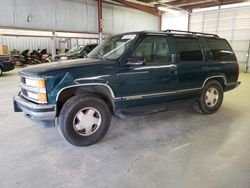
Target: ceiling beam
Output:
[(147, 9), (188, 2), (217, 3)]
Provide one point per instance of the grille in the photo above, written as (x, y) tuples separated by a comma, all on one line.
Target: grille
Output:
[(23, 80)]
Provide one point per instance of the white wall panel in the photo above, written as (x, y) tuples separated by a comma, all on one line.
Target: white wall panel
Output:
[(242, 13), (118, 19), (169, 20), (23, 43), (242, 24), (42, 14), (227, 15), (75, 16), (61, 15), (232, 24), (240, 45), (241, 56), (211, 16), (196, 26), (6, 13), (241, 35), (225, 25)]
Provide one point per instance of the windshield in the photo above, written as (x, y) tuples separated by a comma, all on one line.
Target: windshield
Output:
[(76, 49), (113, 47)]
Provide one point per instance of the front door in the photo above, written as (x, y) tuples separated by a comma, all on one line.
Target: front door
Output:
[(149, 76)]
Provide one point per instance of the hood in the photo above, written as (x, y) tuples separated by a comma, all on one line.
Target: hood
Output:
[(66, 55), (39, 70)]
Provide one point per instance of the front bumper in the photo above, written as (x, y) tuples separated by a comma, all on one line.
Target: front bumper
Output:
[(37, 112), (8, 66)]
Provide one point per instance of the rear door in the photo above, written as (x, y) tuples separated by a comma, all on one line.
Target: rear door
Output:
[(191, 62)]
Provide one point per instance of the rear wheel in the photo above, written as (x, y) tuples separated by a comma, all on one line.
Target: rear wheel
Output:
[(84, 120), (211, 97)]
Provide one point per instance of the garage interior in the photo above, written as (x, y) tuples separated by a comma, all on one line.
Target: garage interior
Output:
[(174, 148)]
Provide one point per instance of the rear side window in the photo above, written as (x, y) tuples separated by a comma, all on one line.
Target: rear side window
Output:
[(220, 50), (189, 49)]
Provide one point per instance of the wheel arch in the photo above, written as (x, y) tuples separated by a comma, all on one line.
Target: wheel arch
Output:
[(102, 91), (220, 78)]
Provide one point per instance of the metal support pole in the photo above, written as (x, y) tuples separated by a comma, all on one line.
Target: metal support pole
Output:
[(248, 59), (53, 46), (160, 22), (100, 24)]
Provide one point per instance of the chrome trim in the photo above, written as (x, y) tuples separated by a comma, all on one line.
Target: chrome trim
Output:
[(87, 84), (218, 76), (29, 77), (24, 104), (186, 90), (34, 89), (132, 97)]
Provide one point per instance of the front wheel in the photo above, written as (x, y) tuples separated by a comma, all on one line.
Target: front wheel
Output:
[(84, 120), (211, 97)]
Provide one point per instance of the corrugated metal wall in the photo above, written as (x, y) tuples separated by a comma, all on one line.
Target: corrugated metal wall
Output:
[(232, 24), (118, 19), (31, 43), (68, 15), (73, 16), (23, 43), (60, 15)]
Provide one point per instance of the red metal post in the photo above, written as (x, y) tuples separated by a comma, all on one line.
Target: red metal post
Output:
[(100, 16)]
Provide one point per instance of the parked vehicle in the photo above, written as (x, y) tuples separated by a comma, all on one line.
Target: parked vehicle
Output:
[(15, 57), (44, 56), (5, 64), (25, 57), (76, 52), (128, 73)]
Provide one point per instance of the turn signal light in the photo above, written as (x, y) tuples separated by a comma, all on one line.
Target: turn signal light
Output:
[(41, 83), (42, 97)]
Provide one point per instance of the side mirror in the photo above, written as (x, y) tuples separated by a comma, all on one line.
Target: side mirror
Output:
[(136, 61)]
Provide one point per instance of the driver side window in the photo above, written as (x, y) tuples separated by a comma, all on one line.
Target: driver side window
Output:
[(154, 49)]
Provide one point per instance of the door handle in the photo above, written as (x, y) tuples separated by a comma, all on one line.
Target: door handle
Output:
[(173, 70), (205, 69)]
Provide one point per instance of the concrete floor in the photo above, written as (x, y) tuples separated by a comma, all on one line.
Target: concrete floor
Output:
[(177, 148)]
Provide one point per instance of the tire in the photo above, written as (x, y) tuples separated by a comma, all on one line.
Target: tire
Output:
[(1, 71), (84, 120), (211, 97)]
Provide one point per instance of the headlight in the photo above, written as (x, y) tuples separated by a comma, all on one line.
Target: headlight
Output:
[(35, 89), (64, 58), (38, 83)]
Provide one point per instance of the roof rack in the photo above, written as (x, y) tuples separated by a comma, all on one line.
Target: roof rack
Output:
[(191, 32)]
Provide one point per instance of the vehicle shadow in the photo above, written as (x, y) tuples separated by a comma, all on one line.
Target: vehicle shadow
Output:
[(169, 127)]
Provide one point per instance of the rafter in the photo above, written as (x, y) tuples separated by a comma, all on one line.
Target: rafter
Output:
[(147, 9), (209, 4)]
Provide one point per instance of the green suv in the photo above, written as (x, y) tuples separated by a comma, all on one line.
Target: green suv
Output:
[(127, 73)]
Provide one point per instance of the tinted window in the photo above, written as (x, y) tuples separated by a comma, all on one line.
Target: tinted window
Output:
[(189, 49), (220, 50), (154, 49)]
